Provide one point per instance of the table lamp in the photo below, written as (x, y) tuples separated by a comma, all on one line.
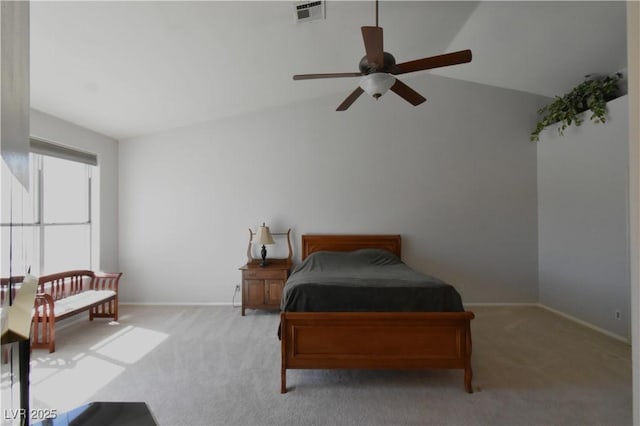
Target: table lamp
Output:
[(263, 236)]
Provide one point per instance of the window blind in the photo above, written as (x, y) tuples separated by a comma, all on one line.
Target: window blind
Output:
[(40, 146)]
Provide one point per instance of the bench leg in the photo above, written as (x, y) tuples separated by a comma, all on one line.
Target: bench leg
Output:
[(108, 309), (44, 335)]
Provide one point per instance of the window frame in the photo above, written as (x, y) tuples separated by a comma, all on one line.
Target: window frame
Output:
[(39, 149)]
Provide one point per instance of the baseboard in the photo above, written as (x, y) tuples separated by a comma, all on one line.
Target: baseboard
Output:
[(557, 312), (500, 304), (470, 305), (586, 324), (176, 304)]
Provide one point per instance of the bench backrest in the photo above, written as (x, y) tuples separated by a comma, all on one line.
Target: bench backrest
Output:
[(64, 284), (105, 281)]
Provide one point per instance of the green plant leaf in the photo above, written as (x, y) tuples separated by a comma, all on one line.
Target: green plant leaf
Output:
[(591, 94)]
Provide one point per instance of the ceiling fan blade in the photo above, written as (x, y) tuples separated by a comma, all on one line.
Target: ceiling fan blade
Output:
[(373, 46), (445, 60), (350, 99), (407, 93), (330, 75)]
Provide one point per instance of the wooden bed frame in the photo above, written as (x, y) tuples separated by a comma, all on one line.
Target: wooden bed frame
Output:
[(373, 340)]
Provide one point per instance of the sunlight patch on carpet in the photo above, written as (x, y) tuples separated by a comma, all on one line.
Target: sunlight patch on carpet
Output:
[(83, 374), (130, 345), (68, 387)]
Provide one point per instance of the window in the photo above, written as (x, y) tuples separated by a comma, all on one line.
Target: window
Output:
[(55, 231)]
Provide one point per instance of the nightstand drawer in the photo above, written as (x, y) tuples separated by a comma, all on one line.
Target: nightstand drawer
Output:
[(264, 274)]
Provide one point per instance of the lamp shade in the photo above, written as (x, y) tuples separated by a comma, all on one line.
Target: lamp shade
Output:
[(263, 235), (376, 84)]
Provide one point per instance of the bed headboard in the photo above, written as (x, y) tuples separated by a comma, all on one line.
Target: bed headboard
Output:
[(313, 243)]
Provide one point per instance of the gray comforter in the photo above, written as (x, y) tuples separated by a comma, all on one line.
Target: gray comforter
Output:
[(368, 280)]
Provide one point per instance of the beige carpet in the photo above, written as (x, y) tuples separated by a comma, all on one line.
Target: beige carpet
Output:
[(210, 366)]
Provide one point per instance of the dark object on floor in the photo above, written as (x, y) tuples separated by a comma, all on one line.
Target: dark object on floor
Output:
[(104, 414)]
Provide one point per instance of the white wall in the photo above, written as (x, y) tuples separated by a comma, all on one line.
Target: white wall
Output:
[(456, 177), (583, 220), (63, 132)]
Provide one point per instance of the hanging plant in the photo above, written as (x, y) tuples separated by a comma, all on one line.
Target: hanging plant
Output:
[(592, 94)]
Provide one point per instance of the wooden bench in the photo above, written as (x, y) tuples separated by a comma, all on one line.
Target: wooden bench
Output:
[(65, 294)]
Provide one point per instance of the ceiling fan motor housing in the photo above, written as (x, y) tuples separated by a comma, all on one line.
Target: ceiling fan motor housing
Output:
[(366, 68)]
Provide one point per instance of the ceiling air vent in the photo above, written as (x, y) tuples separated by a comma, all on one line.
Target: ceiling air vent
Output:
[(307, 11)]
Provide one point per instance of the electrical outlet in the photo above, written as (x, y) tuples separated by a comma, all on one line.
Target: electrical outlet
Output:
[(618, 315)]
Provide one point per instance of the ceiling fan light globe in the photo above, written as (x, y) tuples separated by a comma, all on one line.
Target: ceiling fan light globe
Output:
[(377, 84)]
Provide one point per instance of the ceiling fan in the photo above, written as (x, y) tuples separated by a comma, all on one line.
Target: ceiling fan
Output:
[(378, 68)]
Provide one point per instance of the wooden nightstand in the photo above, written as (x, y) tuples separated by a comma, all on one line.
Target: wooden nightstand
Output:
[(262, 285)]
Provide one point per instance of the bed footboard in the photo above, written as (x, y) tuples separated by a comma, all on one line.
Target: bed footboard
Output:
[(376, 340)]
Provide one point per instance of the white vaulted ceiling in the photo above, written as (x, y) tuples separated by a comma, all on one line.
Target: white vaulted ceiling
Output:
[(130, 68)]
